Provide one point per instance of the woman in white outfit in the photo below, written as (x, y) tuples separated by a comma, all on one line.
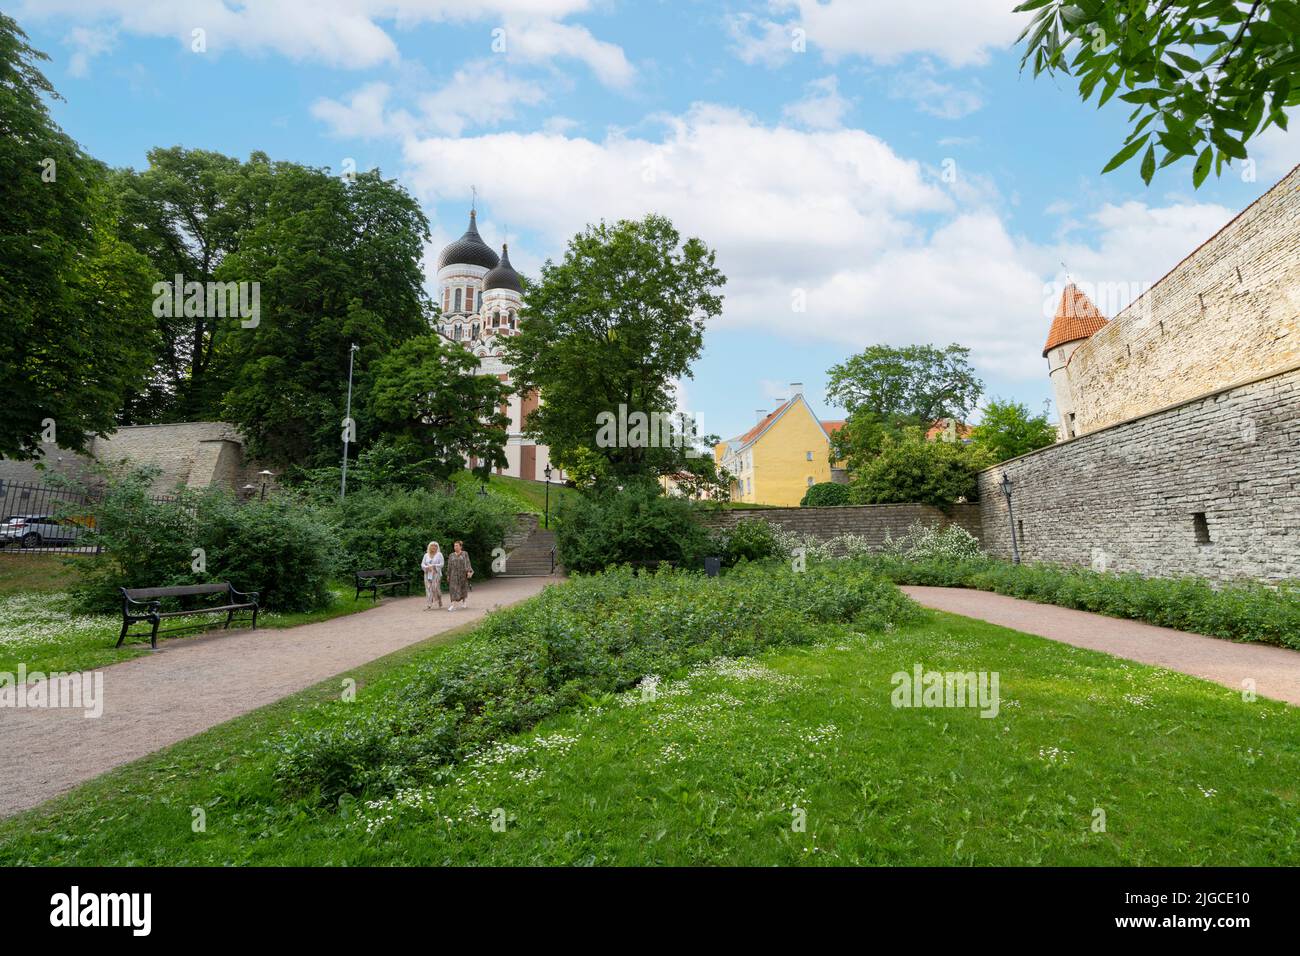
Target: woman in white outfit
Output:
[(431, 564)]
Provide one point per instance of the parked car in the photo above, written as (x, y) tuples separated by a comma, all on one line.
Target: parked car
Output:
[(34, 531)]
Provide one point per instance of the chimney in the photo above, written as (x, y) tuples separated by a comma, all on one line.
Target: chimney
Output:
[(796, 388), (761, 414)]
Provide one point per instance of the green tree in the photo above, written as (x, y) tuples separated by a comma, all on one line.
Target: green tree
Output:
[(860, 438), (337, 263), (430, 399), (915, 383), (911, 470), (887, 390), (1213, 73), (76, 332), (187, 211), (1010, 430), (612, 326)]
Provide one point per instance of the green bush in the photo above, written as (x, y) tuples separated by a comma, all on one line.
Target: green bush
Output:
[(596, 635), (752, 539), (1245, 612), (144, 542), (825, 494), (636, 524), (392, 529), (912, 470), (281, 548)]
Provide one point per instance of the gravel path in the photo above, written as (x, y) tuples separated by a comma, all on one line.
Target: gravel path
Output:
[(189, 685), (1275, 670)]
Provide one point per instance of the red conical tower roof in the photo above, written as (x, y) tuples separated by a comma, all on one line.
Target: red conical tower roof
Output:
[(1076, 318)]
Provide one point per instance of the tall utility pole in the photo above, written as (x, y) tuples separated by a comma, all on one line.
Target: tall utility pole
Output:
[(347, 423)]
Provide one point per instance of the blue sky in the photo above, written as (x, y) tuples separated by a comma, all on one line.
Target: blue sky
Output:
[(867, 171)]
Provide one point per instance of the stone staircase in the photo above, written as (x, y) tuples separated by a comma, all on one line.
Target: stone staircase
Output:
[(532, 558)]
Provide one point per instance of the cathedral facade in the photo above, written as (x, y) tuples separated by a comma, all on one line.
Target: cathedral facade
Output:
[(481, 298)]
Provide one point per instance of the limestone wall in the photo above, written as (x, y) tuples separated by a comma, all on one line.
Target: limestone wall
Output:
[(1228, 313), (868, 521), (1126, 498), (190, 454)]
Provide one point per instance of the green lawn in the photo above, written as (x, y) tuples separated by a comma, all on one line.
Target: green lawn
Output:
[(41, 630), (719, 765), (524, 496)]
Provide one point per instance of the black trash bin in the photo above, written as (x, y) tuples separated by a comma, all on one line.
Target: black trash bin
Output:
[(712, 566)]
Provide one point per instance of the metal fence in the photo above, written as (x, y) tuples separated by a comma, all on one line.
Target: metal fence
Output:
[(39, 518)]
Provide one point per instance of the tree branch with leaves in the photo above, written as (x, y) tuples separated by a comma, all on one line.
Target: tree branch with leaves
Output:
[(1204, 76)]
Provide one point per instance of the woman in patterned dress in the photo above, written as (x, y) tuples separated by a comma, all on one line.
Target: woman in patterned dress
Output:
[(459, 571)]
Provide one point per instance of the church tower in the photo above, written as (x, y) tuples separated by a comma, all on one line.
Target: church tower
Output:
[(481, 296), (1075, 322)]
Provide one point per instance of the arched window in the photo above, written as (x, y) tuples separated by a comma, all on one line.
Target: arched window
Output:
[(474, 331), (479, 300), (457, 335), (512, 320), (496, 319), (457, 301)]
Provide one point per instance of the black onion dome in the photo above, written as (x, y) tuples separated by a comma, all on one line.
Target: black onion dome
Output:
[(469, 249), (503, 276)]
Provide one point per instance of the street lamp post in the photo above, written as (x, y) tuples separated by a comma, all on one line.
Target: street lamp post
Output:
[(266, 476), (1005, 485), (347, 423), (547, 472)]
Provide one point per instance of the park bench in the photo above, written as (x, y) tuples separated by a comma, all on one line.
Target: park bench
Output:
[(144, 605), (380, 579)]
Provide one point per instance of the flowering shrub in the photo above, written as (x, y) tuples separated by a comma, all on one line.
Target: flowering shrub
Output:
[(922, 541), (596, 635), (824, 549)]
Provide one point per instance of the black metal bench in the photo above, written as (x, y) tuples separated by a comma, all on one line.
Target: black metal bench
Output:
[(380, 579), (144, 605)]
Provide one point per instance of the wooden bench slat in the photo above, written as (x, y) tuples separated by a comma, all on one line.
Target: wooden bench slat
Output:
[(179, 590)]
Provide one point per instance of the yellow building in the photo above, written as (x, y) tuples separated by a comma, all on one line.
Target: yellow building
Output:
[(781, 457)]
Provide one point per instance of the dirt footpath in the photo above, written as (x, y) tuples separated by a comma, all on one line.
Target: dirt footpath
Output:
[(189, 685), (1275, 670)]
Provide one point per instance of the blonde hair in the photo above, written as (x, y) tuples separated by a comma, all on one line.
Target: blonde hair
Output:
[(433, 546)]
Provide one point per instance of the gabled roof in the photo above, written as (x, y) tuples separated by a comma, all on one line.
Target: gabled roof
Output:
[(751, 436), (1076, 318)]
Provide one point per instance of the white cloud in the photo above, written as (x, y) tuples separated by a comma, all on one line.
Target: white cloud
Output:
[(822, 107), (480, 94), (344, 33), (88, 43), (363, 115), (870, 239), (932, 95), (1276, 151), (536, 40), (960, 32)]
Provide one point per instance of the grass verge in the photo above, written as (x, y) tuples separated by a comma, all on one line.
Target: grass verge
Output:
[(40, 629), (721, 763)]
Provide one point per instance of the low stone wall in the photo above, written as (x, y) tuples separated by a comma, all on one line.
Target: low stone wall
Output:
[(872, 522), (1208, 488), (192, 454)]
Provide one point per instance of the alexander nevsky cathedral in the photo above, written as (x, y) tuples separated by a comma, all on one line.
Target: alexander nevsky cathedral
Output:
[(481, 297)]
